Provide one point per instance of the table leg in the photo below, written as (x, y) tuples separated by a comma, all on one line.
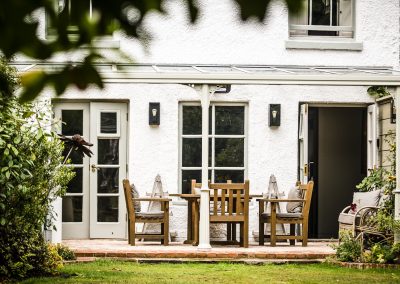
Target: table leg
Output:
[(189, 238), (196, 219)]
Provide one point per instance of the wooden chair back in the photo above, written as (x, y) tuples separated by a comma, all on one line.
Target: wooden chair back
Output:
[(307, 190), (229, 199), (130, 206)]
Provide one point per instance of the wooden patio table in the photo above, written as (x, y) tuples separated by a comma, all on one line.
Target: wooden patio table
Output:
[(193, 218)]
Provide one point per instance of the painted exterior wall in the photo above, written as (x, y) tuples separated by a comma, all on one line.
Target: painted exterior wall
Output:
[(220, 38), (155, 151)]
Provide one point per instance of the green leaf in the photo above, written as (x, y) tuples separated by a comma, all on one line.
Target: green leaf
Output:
[(17, 139)]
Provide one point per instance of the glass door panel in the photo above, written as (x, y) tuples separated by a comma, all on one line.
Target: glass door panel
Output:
[(73, 118), (108, 168)]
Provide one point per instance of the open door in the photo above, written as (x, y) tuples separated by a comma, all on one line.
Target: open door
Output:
[(303, 144), (372, 137)]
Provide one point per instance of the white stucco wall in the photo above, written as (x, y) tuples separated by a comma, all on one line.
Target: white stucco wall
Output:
[(155, 150), (219, 37)]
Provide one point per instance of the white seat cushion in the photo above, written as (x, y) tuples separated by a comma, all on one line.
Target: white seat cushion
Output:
[(370, 198), (294, 207), (150, 214), (284, 215)]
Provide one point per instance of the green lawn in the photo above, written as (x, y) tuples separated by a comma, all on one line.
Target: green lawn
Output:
[(109, 271)]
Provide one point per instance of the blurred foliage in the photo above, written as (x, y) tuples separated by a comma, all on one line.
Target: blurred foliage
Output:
[(31, 177), (378, 91), (71, 31)]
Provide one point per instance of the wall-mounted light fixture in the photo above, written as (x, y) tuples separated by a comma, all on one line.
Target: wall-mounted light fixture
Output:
[(392, 111), (154, 113), (274, 115), (223, 89)]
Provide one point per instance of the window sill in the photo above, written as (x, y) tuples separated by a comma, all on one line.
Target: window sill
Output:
[(106, 42), (323, 44)]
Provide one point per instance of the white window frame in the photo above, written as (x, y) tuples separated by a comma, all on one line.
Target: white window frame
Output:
[(345, 31), (212, 136)]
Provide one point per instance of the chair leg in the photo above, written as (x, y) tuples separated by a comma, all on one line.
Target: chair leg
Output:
[(132, 235), (260, 232), (166, 232), (292, 233), (246, 234), (162, 232), (242, 237), (233, 231), (304, 235), (229, 232), (273, 233)]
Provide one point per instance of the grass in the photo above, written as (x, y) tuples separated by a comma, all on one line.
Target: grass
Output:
[(111, 271)]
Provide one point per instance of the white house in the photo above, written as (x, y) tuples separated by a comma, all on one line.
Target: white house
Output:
[(313, 69)]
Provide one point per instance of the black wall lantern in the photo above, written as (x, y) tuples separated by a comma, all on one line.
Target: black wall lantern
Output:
[(154, 113), (392, 112), (274, 115)]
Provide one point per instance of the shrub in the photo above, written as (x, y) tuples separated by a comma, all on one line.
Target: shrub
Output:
[(65, 252), (349, 249), (31, 176)]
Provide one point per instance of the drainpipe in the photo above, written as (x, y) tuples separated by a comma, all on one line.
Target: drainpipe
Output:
[(204, 229), (397, 190)]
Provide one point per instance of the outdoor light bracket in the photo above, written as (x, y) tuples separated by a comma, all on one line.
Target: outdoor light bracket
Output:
[(154, 114), (274, 115)]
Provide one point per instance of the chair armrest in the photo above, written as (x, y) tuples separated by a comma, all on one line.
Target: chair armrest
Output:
[(346, 209), (152, 199), (284, 200), (363, 210)]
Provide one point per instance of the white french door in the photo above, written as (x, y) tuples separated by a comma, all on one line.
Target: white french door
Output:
[(303, 143), (372, 137), (94, 205)]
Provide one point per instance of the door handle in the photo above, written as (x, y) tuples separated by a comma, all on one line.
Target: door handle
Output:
[(94, 168)]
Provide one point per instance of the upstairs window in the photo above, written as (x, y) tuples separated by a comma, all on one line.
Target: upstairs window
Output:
[(69, 11), (72, 9), (324, 18)]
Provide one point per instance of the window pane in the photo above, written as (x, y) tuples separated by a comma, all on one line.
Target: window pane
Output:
[(107, 209), (72, 208), (229, 120), (75, 157), (187, 176), (191, 120), (107, 180), (225, 175), (321, 15), (75, 185), (229, 152), (108, 122), (72, 9), (72, 122), (108, 151), (191, 152)]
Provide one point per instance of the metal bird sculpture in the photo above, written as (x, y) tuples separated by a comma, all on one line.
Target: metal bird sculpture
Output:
[(78, 144)]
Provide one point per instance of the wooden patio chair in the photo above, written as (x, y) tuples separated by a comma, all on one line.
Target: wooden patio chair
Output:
[(274, 218), (229, 204), (134, 217)]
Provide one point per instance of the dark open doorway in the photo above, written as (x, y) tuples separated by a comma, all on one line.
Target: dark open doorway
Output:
[(337, 152)]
